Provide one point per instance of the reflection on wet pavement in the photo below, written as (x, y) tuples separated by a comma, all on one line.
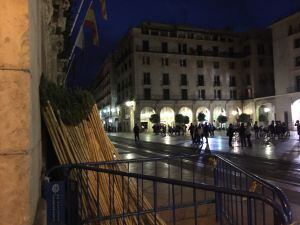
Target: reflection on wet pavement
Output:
[(277, 161), (282, 149)]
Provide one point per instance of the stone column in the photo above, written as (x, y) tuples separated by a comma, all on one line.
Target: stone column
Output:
[(20, 136)]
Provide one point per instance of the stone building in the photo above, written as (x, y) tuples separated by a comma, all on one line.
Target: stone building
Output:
[(107, 96), (166, 69), (284, 105), (286, 43)]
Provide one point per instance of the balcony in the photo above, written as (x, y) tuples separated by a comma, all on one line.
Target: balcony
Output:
[(183, 83), (165, 83), (191, 51), (146, 82), (293, 31), (217, 84), (292, 89)]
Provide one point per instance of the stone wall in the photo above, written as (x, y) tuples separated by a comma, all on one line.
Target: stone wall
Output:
[(20, 136), (55, 35)]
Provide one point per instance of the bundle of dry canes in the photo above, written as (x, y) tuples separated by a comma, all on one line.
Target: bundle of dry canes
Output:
[(88, 142)]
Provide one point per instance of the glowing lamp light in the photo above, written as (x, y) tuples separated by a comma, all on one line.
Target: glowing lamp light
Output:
[(129, 103), (234, 113), (113, 110), (267, 110), (110, 120)]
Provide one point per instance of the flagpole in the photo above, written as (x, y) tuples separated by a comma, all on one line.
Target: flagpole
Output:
[(69, 68), (71, 57), (77, 15)]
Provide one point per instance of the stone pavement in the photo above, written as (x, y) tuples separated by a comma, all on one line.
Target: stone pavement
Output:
[(282, 149), (287, 150)]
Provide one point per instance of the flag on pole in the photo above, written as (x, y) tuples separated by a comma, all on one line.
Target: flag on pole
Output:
[(80, 39), (90, 21), (103, 9)]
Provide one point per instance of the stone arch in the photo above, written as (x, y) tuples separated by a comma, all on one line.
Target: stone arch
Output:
[(186, 111), (266, 109), (218, 111), (167, 116), (295, 108), (204, 110), (233, 114), (145, 115)]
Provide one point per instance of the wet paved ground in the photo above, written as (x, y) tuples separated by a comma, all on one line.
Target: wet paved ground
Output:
[(278, 161)]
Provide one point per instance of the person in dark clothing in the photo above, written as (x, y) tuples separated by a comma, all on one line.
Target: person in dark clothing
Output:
[(272, 129), (256, 130), (230, 132), (248, 134), (191, 129), (196, 134), (242, 133), (136, 131), (206, 132), (297, 124)]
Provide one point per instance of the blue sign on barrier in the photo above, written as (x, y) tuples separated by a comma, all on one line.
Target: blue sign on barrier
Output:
[(55, 196)]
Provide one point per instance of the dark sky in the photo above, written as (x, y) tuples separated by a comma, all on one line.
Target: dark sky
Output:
[(124, 14)]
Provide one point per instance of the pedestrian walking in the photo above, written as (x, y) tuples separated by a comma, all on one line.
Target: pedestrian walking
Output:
[(136, 131), (191, 129), (206, 132), (242, 134), (272, 129), (297, 124), (256, 130), (196, 134), (248, 134), (230, 132), (200, 133)]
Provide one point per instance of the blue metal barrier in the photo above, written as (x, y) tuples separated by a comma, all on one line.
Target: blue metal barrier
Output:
[(230, 175), (179, 188)]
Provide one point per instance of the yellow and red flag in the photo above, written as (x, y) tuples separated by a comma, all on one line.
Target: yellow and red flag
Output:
[(103, 9), (90, 21)]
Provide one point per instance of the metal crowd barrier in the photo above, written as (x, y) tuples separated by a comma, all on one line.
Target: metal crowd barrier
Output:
[(180, 189)]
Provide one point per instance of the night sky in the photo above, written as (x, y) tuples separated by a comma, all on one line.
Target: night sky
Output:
[(240, 15)]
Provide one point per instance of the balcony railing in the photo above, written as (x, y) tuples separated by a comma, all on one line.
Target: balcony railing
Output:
[(165, 82), (294, 31), (217, 84), (292, 89), (157, 97), (146, 82), (193, 52)]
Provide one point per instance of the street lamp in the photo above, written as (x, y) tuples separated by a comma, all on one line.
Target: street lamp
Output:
[(130, 103)]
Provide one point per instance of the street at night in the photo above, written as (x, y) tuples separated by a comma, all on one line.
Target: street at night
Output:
[(278, 162), (161, 112)]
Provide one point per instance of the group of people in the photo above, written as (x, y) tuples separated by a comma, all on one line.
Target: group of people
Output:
[(205, 130), (244, 132), (199, 131), (172, 130), (276, 128)]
